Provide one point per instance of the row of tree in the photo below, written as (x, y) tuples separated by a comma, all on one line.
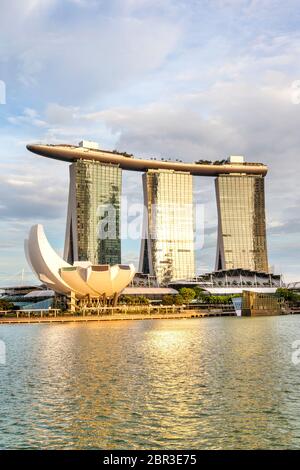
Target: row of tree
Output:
[(134, 300), (6, 305), (187, 294), (288, 295)]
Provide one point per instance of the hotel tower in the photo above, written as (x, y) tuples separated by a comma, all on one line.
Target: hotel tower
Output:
[(93, 220), (242, 239), (167, 247)]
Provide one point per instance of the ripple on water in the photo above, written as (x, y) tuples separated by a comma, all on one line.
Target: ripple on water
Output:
[(218, 383)]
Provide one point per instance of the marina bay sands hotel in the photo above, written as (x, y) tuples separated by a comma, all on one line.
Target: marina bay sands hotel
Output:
[(167, 246)]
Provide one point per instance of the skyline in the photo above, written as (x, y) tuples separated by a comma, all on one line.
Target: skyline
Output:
[(177, 90)]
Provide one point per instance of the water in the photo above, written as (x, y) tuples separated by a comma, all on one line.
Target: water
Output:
[(217, 383)]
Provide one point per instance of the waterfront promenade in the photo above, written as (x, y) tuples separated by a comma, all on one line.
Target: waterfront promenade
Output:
[(113, 314), (124, 312)]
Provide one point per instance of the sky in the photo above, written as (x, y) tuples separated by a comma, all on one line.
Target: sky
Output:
[(184, 79)]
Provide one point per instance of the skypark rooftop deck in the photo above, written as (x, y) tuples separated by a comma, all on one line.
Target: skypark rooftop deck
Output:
[(69, 153)]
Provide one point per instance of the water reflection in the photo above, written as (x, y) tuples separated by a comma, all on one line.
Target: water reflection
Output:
[(207, 383)]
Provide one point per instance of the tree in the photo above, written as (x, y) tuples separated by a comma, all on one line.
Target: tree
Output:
[(199, 292), (179, 300), (142, 300), (287, 294), (6, 305), (168, 300), (127, 299), (201, 295), (187, 294), (173, 300)]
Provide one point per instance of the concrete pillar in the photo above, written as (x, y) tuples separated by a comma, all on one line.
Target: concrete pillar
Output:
[(115, 299), (72, 302)]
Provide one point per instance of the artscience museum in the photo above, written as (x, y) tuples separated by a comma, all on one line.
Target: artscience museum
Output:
[(82, 281)]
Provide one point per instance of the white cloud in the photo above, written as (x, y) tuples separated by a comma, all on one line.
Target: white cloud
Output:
[(29, 117), (174, 78)]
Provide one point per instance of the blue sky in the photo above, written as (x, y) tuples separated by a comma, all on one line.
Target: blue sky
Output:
[(185, 79)]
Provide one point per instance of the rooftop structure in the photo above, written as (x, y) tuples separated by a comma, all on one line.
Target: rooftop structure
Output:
[(34, 300), (236, 159), (71, 153), (19, 290), (232, 278)]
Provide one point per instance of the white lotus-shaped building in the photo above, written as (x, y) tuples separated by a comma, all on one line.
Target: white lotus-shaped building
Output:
[(82, 278)]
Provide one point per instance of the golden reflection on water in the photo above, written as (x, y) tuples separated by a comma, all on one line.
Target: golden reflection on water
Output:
[(207, 383)]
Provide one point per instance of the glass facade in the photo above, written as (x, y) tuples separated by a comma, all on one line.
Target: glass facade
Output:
[(167, 249), (93, 226), (242, 225)]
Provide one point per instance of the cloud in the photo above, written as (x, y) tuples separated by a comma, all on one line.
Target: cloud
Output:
[(31, 191), (180, 79), (289, 227), (63, 115), (32, 194), (83, 59), (28, 117)]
